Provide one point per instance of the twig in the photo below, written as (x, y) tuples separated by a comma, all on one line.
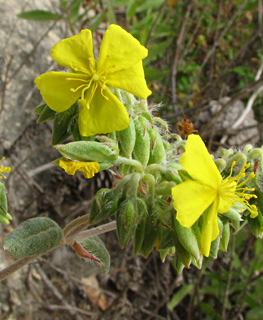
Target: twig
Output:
[(177, 54), (222, 34), (18, 264), (249, 105)]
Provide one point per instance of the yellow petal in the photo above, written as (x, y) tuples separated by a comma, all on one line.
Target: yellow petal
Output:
[(191, 199), (75, 52), (56, 89), (131, 80), (103, 115), (198, 162), (119, 50), (209, 229), (87, 168)]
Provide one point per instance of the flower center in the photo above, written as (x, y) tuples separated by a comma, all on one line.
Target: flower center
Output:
[(232, 190), (95, 79)]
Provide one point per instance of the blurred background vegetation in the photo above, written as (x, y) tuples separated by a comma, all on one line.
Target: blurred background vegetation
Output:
[(199, 51)]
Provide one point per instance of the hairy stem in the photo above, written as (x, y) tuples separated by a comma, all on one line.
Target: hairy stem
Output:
[(18, 264)]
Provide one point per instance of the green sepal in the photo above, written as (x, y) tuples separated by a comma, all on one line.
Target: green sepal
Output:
[(3, 200), (87, 151), (165, 239), (40, 108), (214, 248), (62, 124), (141, 151), (96, 247), (225, 237), (139, 236), (178, 264), (104, 204), (45, 113), (216, 243), (182, 253), (187, 239), (33, 237), (127, 139), (166, 252)]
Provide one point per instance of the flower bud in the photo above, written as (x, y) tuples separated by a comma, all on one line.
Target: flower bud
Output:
[(126, 221), (157, 151), (141, 151), (187, 238), (87, 151), (127, 139), (140, 229), (151, 230), (104, 204), (225, 237), (216, 243)]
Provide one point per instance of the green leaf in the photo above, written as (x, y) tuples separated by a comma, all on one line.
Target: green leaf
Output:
[(74, 9), (39, 15), (179, 296), (96, 247), (32, 237)]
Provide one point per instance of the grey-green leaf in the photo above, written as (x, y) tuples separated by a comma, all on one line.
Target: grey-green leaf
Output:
[(32, 237), (96, 247)]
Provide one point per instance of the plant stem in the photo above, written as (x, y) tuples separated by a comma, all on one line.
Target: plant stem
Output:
[(94, 232), (18, 264)]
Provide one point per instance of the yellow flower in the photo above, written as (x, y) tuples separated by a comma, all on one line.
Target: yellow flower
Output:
[(89, 169), (119, 66), (3, 169), (207, 192)]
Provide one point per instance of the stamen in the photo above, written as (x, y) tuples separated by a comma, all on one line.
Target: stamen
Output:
[(84, 70)]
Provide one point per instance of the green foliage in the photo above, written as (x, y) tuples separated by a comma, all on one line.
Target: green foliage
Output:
[(39, 15)]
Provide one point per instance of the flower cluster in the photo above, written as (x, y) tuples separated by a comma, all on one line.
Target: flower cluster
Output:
[(168, 193)]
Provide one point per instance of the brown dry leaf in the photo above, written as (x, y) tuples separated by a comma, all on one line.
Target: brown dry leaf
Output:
[(91, 287)]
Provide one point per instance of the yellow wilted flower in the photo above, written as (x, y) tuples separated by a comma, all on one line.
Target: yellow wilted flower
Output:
[(119, 66), (89, 169), (207, 192)]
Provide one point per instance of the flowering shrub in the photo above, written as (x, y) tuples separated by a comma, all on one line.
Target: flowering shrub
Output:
[(168, 193)]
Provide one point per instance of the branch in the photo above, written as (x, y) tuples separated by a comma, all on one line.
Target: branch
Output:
[(18, 264)]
